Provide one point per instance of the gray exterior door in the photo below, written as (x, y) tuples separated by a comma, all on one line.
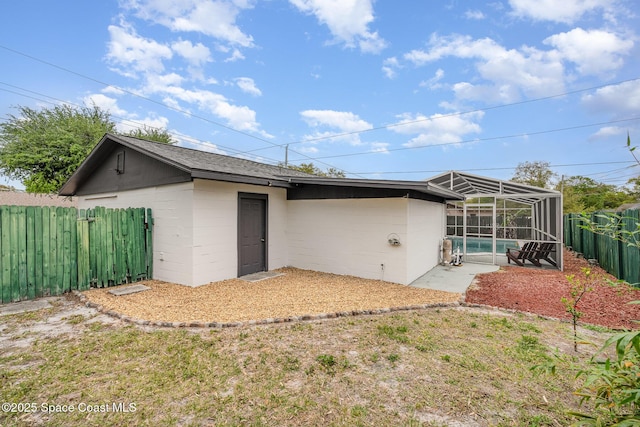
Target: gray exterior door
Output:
[(252, 233)]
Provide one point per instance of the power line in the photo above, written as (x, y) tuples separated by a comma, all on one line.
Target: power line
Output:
[(197, 142), (461, 113), (493, 138), (319, 159), (188, 113), (84, 76), (122, 119), (495, 168)]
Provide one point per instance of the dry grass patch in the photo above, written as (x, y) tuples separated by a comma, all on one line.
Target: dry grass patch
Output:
[(428, 367), (295, 293)]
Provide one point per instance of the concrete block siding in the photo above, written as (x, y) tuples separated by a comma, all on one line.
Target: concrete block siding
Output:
[(351, 237), (195, 233)]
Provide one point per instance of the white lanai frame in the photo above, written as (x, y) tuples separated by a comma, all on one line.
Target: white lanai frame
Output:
[(546, 205)]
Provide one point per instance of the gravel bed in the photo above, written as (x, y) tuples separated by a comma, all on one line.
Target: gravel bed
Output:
[(297, 294)]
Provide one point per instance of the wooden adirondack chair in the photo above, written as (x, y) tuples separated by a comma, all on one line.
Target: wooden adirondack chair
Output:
[(543, 253), (525, 253)]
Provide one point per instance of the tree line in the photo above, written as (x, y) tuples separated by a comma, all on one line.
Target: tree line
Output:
[(580, 193)]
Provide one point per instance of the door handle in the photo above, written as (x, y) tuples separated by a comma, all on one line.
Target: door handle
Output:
[(262, 240)]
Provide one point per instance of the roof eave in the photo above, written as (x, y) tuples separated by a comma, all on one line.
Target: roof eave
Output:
[(387, 184), (240, 179)]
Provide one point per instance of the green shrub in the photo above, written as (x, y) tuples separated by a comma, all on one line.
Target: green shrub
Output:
[(613, 386)]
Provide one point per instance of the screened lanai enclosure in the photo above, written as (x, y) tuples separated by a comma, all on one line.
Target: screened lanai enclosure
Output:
[(497, 215)]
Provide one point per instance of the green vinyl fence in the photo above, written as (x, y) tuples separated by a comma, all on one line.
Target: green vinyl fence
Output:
[(52, 250), (616, 257)]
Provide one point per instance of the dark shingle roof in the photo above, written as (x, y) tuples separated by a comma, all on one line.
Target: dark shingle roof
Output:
[(207, 165), (195, 160), (196, 163)]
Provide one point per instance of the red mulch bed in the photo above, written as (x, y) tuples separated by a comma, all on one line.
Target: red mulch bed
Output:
[(539, 291)]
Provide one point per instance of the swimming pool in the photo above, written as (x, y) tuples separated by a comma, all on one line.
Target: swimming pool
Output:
[(477, 245)]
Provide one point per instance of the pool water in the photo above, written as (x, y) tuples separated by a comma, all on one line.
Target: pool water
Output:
[(476, 245)]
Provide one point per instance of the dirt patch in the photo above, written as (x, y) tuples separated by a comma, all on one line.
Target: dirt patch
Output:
[(65, 316), (539, 291), (295, 293)]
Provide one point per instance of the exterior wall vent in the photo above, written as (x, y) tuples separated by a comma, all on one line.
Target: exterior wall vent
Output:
[(120, 163)]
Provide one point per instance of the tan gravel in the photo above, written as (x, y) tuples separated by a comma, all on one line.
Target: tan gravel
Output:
[(295, 293)]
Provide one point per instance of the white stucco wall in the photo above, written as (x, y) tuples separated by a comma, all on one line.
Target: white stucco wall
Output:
[(425, 230), (215, 219), (349, 237), (172, 210)]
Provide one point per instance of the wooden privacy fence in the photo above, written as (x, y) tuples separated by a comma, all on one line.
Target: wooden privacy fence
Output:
[(616, 257), (51, 250)]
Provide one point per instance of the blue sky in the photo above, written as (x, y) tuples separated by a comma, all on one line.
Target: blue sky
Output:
[(379, 89)]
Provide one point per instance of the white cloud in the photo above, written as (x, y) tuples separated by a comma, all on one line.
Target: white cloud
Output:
[(508, 72), (125, 121), (308, 149), (148, 60), (593, 51), (238, 117), (608, 132), (380, 147), (157, 82), (565, 11), (437, 129), (105, 103), (617, 100), (236, 55), (247, 85), (455, 45), (342, 120), (134, 53), (348, 21), (196, 55), (175, 105), (389, 67), (215, 18), (113, 90), (155, 122), (476, 15), (433, 82), (339, 122), (187, 141)]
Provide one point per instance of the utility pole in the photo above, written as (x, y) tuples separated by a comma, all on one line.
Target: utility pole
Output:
[(286, 156)]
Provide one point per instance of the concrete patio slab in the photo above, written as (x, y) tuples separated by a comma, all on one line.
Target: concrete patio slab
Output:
[(262, 275), (119, 291), (452, 278), (24, 306)]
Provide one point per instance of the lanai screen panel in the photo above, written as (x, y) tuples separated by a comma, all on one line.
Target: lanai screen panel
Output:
[(518, 212)]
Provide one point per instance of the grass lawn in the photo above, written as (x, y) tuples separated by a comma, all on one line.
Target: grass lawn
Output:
[(439, 367)]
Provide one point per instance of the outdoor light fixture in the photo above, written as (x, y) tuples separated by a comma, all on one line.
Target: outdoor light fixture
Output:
[(393, 239)]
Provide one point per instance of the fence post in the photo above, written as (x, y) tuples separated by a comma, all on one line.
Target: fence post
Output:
[(149, 244), (39, 252), (5, 254), (631, 253), (60, 251), (82, 236), (20, 291), (30, 240)]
